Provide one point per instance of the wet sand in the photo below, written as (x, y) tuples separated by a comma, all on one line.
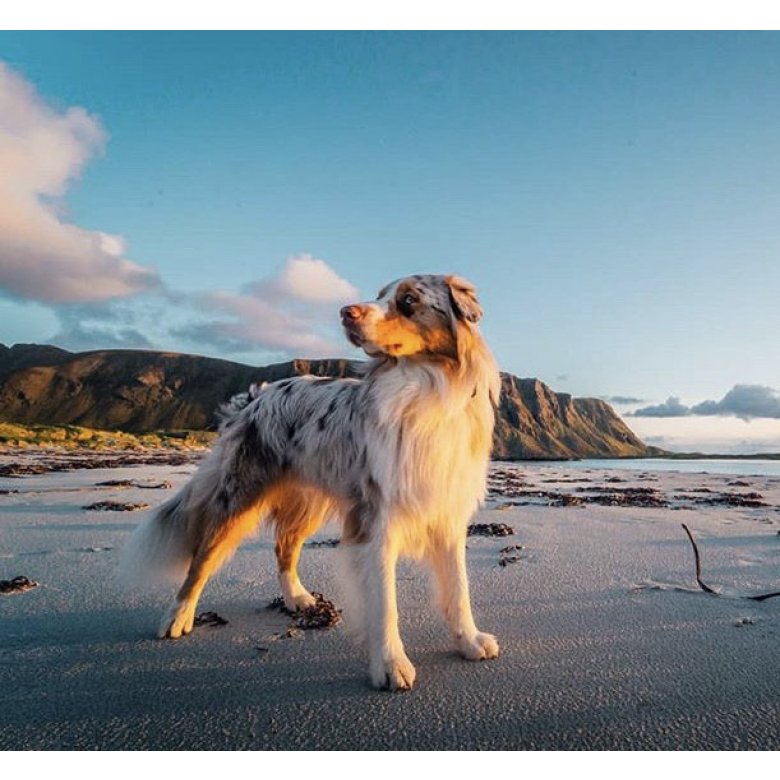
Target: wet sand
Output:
[(586, 577)]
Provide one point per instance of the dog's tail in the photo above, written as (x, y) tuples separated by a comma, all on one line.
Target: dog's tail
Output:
[(161, 548)]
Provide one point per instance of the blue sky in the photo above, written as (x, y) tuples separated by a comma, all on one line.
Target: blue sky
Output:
[(615, 197)]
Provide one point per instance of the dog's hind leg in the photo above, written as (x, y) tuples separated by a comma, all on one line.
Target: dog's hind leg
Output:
[(297, 513), (448, 559), (209, 556)]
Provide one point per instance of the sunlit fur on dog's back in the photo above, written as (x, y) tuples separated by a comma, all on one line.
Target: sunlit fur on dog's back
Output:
[(400, 456)]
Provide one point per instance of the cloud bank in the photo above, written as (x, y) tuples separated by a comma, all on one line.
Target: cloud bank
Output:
[(294, 310), (107, 325), (623, 399), (746, 402), (669, 408), (42, 256)]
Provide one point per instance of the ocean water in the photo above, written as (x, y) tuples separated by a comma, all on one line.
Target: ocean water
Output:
[(769, 468)]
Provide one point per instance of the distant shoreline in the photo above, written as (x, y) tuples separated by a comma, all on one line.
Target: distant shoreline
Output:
[(16, 437), (665, 456), (708, 456)]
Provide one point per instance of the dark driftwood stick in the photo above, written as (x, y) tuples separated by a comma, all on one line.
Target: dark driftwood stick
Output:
[(703, 586), (764, 596), (706, 588)]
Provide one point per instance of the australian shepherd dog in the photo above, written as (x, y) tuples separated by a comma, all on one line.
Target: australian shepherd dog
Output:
[(400, 456)]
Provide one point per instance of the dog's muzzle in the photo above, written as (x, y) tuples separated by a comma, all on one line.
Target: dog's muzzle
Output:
[(350, 319)]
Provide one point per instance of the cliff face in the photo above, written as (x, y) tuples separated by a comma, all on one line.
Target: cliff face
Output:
[(139, 391), (534, 422)]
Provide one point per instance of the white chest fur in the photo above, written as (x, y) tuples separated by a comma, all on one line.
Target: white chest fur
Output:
[(433, 446)]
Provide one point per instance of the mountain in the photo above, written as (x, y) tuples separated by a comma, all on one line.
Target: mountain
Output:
[(534, 422), (22, 356), (139, 391)]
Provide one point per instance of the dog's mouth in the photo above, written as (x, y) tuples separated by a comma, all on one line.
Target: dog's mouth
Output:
[(353, 335)]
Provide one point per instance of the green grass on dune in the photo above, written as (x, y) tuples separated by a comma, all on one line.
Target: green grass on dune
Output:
[(74, 437)]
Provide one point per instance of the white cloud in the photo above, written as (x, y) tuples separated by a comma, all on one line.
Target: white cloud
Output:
[(305, 278), (43, 257), (293, 311)]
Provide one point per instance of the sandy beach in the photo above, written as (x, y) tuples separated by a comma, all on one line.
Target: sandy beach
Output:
[(607, 641)]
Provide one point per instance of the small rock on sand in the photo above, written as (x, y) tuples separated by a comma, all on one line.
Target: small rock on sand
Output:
[(16, 585), (115, 506)]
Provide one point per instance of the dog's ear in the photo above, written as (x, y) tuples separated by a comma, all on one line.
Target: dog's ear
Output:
[(463, 295)]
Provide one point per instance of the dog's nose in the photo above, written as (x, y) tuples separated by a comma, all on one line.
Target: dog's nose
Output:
[(351, 314)]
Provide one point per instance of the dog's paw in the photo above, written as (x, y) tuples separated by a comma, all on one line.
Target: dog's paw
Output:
[(178, 622), (294, 594), (478, 647), (300, 600), (393, 674)]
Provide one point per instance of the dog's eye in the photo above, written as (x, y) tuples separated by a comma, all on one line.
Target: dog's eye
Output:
[(406, 304)]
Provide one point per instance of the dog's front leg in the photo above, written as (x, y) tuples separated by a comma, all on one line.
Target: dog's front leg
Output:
[(449, 564), (388, 664)]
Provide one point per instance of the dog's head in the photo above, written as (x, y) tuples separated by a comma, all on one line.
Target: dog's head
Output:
[(418, 315)]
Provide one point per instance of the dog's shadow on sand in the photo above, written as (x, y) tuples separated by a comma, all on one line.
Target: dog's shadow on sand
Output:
[(266, 689)]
